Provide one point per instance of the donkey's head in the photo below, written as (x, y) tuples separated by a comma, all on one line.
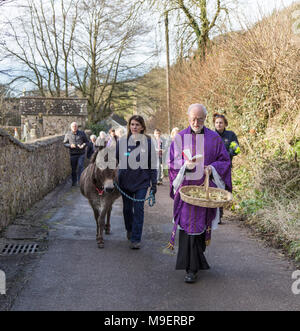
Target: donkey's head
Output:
[(105, 171)]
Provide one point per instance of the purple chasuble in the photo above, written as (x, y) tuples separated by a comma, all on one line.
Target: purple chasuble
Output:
[(193, 219)]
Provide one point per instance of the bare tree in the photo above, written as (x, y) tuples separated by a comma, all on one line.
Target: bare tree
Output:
[(194, 21), (200, 21), (40, 42), (5, 2), (75, 46), (98, 64)]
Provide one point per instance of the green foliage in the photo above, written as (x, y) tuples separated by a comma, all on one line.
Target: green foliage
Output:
[(255, 113), (294, 250), (252, 206), (124, 98), (295, 150), (241, 181), (95, 128)]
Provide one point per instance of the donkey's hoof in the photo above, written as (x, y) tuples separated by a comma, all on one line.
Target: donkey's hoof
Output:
[(101, 245), (107, 231)]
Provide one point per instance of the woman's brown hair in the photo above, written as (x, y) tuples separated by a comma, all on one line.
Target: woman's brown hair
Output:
[(139, 119), (217, 115)]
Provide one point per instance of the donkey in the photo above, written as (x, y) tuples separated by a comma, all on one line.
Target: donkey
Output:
[(97, 185)]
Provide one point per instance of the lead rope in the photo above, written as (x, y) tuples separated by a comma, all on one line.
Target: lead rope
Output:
[(151, 197)]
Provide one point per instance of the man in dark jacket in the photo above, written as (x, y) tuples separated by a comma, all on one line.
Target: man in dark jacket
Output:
[(76, 141)]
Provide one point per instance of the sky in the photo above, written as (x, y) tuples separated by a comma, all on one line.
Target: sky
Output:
[(247, 5), (249, 10), (267, 5), (254, 8)]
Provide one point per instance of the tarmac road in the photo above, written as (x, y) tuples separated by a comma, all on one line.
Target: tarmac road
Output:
[(73, 274)]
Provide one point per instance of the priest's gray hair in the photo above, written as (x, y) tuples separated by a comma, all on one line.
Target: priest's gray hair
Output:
[(197, 105)]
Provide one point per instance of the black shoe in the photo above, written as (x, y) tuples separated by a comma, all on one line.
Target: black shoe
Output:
[(74, 184), (135, 245), (190, 277)]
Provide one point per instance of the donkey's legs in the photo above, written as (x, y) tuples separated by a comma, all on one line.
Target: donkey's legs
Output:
[(107, 225), (101, 225), (97, 210), (96, 215)]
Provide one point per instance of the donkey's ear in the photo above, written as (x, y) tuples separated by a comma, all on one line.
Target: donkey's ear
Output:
[(94, 155), (106, 158), (100, 159)]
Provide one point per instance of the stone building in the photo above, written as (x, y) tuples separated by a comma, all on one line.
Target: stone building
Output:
[(9, 112), (42, 117)]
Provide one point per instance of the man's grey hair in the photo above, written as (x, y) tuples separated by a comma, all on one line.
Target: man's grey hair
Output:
[(73, 124), (93, 137), (120, 131), (197, 105)]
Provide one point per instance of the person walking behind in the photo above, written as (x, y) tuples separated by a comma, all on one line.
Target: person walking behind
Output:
[(102, 137), (168, 145), (160, 146), (113, 138), (76, 141), (195, 223), (174, 133), (229, 139), (120, 132), (91, 146), (137, 172)]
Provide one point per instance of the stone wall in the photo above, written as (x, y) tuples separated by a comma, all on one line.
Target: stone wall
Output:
[(61, 124), (28, 172)]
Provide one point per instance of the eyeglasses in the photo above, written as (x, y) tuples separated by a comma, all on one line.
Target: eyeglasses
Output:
[(198, 120)]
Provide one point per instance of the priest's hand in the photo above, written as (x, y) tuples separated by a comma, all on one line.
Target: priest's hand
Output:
[(190, 164), (208, 169)]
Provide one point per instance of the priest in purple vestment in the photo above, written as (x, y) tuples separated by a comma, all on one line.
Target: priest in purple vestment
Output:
[(196, 223)]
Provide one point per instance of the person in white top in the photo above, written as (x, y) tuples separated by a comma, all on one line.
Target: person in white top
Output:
[(160, 147)]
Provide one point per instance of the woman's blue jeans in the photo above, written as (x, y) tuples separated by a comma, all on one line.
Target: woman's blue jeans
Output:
[(134, 214)]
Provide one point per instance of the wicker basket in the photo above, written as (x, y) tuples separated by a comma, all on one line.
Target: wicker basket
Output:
[(207, 203)]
